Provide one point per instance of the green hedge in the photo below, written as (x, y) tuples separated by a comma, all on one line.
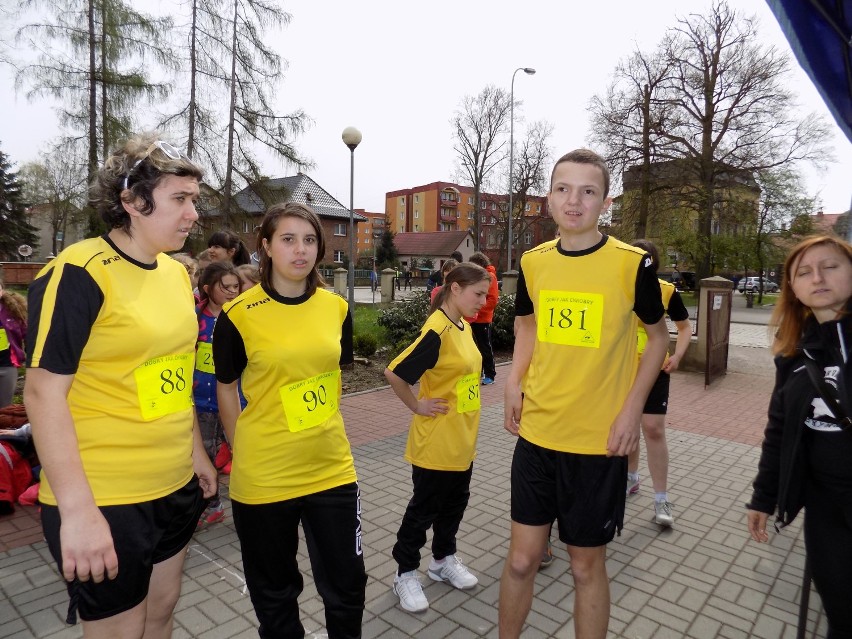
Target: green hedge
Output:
[(403, 320)]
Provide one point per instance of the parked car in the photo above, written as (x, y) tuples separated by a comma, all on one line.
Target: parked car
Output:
[(748, 284)]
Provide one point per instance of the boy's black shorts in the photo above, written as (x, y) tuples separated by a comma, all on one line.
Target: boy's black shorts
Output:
[(584, 493), (658, 399), (144, 534)]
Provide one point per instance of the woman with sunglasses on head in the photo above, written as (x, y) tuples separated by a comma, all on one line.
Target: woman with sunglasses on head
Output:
[(219, 284), (109, 395), (226, 246), (285, 340), (806, 458)]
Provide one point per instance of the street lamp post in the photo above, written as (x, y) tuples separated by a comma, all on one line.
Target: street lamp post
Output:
[(528, 71), (351, 138)]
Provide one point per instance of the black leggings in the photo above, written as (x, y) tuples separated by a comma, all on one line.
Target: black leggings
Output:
[(439, 501), (269, 538), (828, 541)]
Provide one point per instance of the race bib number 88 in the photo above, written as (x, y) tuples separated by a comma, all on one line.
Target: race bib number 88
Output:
[(164, 385), (572, 319), (312, 401)]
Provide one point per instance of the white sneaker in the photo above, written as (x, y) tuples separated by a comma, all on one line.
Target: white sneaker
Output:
[(452, 571), (407, 587), (663, 513)]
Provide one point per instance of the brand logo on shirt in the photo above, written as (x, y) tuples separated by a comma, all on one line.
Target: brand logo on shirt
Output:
[(110, 260), (258, 303), (831, 373)]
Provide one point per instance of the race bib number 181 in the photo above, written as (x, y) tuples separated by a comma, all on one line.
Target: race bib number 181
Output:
[(572, 319)]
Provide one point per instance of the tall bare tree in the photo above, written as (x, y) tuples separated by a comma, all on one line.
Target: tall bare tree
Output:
[(479, 127), (57, 182), (624, 126), (530, 177), (708, 109), (734, 114)]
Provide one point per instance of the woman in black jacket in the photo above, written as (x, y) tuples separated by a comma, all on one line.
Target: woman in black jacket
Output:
[(806, 460)]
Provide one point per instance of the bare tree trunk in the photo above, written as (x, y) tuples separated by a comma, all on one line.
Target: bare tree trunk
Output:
[(645, 189), (93, 96), (104, 99), (229, 168), (193, 71)]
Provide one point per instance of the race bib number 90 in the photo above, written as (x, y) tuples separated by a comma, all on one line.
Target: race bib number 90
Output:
[(164, 385), (572, 319), (467, 393), (312, 401)]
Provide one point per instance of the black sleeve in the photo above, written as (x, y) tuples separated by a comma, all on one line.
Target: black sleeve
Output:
[(676, 310), (229, 350), (765, 496), (75, 308), (347, 355), (422, 357), (648, 301), (523, 303)]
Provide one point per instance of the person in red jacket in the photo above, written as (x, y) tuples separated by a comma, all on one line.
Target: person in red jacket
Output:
[(481, 324)]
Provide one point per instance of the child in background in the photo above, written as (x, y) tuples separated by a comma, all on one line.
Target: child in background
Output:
[(448, 266), (13, 333), (249, 276), (218, 284), (442, 439)]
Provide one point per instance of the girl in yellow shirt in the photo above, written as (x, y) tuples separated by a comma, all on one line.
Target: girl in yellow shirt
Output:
[(442, 439)]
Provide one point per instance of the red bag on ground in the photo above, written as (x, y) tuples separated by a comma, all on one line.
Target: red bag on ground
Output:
[(15, 477)]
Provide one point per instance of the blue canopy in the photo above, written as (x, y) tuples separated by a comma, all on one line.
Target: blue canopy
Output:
[(820, 34)]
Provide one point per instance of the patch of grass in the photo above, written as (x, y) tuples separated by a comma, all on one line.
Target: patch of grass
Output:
[(365, 322)]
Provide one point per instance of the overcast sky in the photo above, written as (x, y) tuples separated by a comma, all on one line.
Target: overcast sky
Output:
[(398, 70)]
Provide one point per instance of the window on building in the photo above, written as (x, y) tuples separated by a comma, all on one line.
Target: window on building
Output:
[(402, 199), (246, 226), (482, 220), (402, 215), (470, 199), (527, 207), (416, 215), (470, 215), (416, 198), (528, 238), (483, 204), (494, 206), (338, 257), (538, 208), (340, 229)]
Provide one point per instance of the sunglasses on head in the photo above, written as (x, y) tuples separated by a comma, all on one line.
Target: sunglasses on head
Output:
[(167, 149)]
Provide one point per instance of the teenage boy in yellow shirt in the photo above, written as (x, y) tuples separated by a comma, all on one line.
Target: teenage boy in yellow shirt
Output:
[(574, 396)]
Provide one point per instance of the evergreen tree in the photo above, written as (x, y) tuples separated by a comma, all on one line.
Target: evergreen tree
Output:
[(386, 253), (92, 56), (15, 229)]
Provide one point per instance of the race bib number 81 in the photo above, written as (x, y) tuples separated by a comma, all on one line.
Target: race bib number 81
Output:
[(572, 319), (164, 385), (467, 393), (312, 401)]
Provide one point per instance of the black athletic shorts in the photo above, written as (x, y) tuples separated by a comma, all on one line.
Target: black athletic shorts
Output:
[(583, 493), (144, 534), (658, 399)]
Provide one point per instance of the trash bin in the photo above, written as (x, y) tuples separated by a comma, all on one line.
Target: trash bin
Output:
[(749, 299)]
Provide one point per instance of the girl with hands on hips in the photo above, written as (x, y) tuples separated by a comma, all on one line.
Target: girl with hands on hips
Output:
[(442, 438)]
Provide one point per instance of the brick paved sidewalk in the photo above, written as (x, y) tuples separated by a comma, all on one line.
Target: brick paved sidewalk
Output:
[(701, 579)]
